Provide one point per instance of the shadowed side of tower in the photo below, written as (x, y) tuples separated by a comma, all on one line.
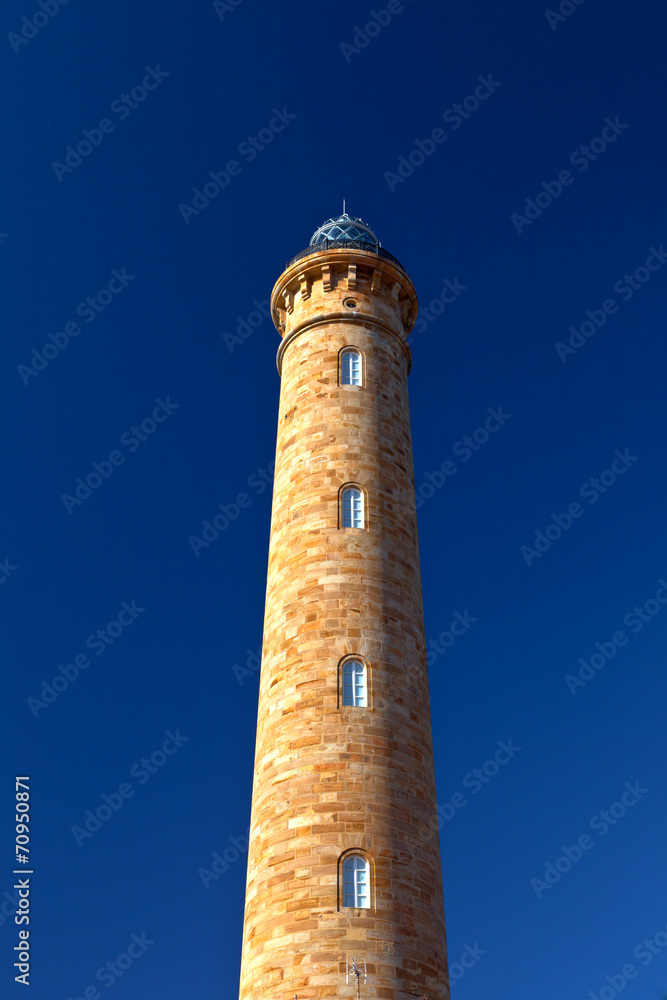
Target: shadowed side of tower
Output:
[(344, 858)]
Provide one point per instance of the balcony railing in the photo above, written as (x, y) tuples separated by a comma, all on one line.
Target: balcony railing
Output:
[(346, 245)]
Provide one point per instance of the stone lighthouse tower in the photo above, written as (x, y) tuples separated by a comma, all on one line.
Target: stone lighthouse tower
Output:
[(344, 858)]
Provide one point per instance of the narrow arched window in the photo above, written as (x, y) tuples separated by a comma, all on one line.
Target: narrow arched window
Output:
[(350, 367), (354, 684), (352, 508), (355, 881)]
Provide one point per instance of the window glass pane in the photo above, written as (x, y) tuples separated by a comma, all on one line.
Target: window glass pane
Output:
[(362, 890), (348, 694), (353, 509), (351, 368), (355, 881), (354, 684), (348, 882)]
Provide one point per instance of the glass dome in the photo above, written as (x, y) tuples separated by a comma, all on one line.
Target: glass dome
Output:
[(344, 228)]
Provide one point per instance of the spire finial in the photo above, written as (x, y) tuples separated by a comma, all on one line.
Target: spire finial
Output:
[(343, 206)]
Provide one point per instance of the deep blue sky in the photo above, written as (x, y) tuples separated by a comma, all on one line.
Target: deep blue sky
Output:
[(161, 338)]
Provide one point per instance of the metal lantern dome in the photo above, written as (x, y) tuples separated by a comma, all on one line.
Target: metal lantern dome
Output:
[(344, 233), (345, 228)]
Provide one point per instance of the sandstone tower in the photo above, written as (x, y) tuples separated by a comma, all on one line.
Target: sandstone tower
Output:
[(344, 856)]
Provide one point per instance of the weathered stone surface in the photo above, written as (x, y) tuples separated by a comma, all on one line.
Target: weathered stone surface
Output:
[(331, 778)]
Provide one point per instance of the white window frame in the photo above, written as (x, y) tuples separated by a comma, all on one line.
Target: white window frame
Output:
[(356, 882), (355, 684), (351, 367), (352, 507)]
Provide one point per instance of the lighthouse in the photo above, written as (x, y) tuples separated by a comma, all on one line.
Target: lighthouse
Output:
[(344, 886)]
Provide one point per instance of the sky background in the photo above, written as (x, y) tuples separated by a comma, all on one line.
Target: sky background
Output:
[(69, 567)]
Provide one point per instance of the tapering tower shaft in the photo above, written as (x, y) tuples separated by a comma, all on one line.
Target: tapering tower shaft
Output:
[(344, 782)]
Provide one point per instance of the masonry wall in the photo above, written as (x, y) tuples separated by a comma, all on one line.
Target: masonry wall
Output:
[(332, 778)]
